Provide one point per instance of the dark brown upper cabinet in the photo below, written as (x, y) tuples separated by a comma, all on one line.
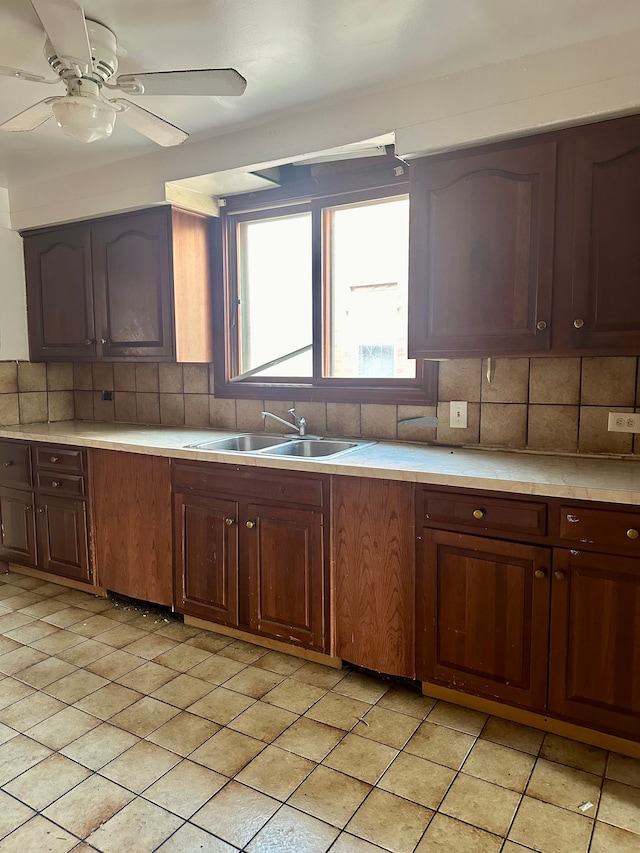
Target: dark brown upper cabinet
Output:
[(131, 286), (481, 251)]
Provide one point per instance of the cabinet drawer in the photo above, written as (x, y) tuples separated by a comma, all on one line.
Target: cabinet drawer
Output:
[(235, 482), (59, 457), (63, 484), (486, 514), (600, 527), (15, 463)]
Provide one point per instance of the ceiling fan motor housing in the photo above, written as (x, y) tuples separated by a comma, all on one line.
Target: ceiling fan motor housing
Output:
[(103, 53)]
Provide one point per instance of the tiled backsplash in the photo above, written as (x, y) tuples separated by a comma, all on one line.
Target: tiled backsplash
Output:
[(550, 404)]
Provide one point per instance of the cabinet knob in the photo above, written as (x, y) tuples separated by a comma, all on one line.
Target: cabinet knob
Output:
[(40, 509), (251, 524), (55, 484), (55, 459), (88, 342), (7, 464), (578, 323), (229, 521), (478, 513), (541, 325), (27, 508), (104, 341), (540, 574), (632, 533), (559, 576)]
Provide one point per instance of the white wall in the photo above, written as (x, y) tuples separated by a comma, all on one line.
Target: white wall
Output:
[(13, 310)]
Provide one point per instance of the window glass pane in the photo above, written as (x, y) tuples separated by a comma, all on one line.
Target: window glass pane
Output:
[(369, 252), (275, 304)]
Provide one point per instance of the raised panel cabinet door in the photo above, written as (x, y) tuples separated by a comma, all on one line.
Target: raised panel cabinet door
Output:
[(284, 553), (132, 281), (594, 675), (63, 539), (17, 527), (374, 574), (60, 294), (605, 249), (483, 617), (206, 549), (481, 252)]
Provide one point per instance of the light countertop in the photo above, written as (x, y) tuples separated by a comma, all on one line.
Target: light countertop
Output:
[(580, 478)]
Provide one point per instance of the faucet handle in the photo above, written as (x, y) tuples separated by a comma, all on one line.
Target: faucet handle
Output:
[(296, 417)]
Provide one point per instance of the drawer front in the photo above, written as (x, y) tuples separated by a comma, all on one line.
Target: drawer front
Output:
[(484, 514), (600, 527), (253, 484), (61, 484), (59, 457), (15, 463)]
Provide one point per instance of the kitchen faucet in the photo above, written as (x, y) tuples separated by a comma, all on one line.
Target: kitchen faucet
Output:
[(300, 424)]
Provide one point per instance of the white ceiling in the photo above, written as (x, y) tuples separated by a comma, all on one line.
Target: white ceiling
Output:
[(292, 52)]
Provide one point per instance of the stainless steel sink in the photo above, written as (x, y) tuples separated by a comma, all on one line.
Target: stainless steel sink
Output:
[(242, 443), (311, 448)]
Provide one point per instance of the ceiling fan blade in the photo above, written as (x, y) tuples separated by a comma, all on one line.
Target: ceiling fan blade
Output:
[(205, 81), (149, 124), (25, 75), (30, 118), (66, 27)]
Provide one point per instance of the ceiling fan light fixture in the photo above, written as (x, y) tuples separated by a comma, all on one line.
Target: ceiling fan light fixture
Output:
[(85, 118)]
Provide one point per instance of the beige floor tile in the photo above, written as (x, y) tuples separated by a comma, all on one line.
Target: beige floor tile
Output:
[(182, 657), (386, 726), (30, 711), (348, 843), (363, 759), (216, 670), (148, 677), (612, 839), (99, 746), (114, 664), (446, 835), (564, 786), (236, 813), (19, 754), (93, 625), (227, 752), (178, 631), (457, 717), (440, 744), (39, 786), (330, 796), (499, 764), (253, 682), (407, 702), (150, 646), (481, 804), (121, 636), (209, 641), (6, 733), (189, 838), (574, 754), (123, 613), (262, 721), (60, 729), (319, 675), (140, 826), (512, 847), (8, 645), (621, 768), (182, 691), (39, 834), (183, 733), (276, 772), (12, 690), (418, 780), (75, 686), (342, 712), (389, 821), (30, 632), (243, 652), (221, 705), (108, 701), (294, 695), (44, 608), (45, 672), (15, 602), (11, 663), (85, 653), (88, 805), (620, 806), (290, 831), (550, 829), (310, 739), (185, 788), (140, 766), (144, 716), (12, 814), (513, 735), (66, 616), (362, 687), (280, 663)]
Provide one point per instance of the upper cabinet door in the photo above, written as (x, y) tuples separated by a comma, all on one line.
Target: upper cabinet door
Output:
[(604, 265), (132, 281), (60, 294), (481, 252)]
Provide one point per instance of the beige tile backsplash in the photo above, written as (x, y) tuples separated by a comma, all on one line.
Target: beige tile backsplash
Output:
[(546, 404)]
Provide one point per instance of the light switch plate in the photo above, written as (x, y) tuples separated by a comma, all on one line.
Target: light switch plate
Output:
[(458, 414)]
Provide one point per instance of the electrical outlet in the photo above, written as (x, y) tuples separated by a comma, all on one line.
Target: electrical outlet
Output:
[(624, 422), (458, 414)]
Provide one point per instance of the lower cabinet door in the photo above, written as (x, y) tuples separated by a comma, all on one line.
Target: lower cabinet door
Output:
[(207, 558), (17, 527), (285, 559), (483, 617), (63, 537), (594, 675)]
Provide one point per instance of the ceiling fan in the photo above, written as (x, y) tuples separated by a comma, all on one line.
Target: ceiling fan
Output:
[(83, 53)]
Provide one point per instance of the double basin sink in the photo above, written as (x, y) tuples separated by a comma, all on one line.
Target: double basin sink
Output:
[(272, 445)]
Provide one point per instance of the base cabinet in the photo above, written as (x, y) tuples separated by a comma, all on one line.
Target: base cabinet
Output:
[(17, 527), (62, 534)]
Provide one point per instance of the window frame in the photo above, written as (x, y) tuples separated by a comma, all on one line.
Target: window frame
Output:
[(421, 390)]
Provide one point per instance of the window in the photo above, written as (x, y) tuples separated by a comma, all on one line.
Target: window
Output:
[(314, 298)]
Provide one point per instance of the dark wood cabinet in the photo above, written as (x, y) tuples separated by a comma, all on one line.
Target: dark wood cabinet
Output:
[(62, 534), (17, 527), (124, 287)]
